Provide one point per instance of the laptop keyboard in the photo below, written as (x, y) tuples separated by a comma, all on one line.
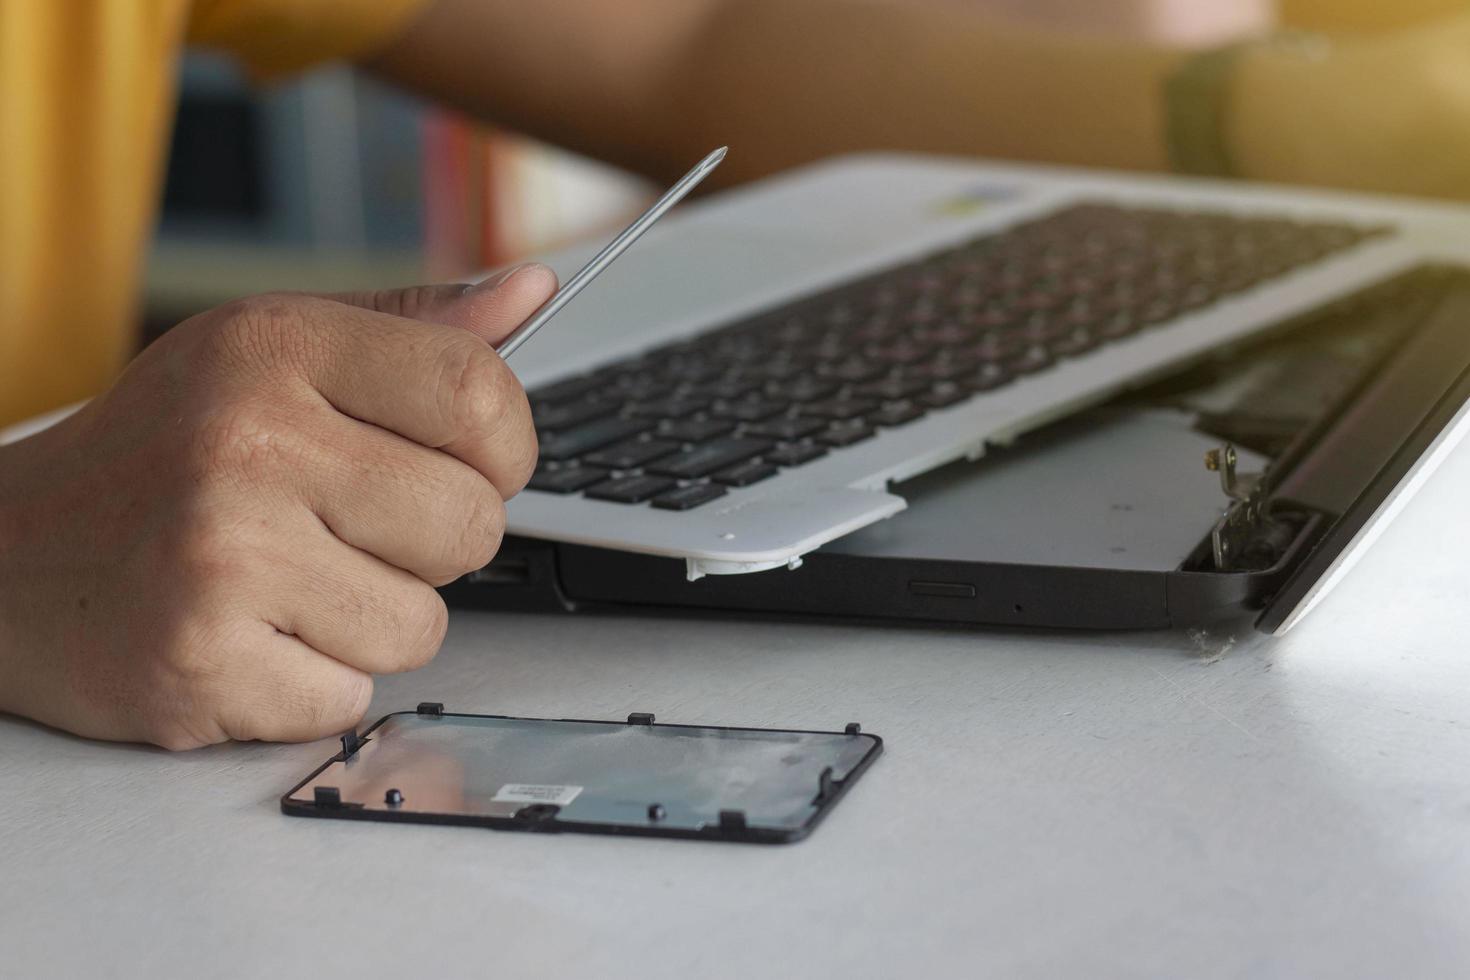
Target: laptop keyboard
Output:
[(684, 424)]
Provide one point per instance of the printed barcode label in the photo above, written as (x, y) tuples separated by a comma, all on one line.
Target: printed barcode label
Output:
[(534, 793)]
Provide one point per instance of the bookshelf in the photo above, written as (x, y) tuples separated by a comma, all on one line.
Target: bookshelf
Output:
[(333, 182)]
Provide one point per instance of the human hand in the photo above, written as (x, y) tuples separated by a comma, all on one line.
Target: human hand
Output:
[(1387, 113), (232, 540)]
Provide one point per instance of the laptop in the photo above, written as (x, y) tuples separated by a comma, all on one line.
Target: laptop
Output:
[(909, 388)]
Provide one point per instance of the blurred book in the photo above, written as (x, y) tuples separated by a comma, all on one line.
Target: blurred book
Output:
[(492, 196), (331, 181), (1179, 21)]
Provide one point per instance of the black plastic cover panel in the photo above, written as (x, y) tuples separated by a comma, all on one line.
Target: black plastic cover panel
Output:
[(633, 777)]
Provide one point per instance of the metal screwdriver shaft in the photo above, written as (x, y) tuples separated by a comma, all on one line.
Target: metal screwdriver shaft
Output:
[(614, 248)]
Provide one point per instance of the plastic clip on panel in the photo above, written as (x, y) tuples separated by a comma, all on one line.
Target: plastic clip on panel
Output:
[(853, 728), (327, 797), (826, 787), (430, 709), (732, 823), (351, 742), (641, 718)]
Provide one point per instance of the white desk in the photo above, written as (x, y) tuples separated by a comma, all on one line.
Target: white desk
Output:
[(1052, 805)]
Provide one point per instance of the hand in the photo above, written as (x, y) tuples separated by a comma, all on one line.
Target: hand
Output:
[(249, 525), (1384, 113)]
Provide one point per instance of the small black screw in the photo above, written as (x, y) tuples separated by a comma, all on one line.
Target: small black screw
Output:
[(656, 811), (393, 797)]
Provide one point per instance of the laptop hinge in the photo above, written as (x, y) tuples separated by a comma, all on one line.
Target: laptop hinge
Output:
[(1247, 518)]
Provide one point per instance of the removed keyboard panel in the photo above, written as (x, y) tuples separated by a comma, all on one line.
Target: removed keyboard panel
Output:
[(760, 426)]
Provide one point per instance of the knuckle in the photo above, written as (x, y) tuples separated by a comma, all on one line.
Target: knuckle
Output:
[(241, 437), (174, 738), (424, 624), (483, 530), (335, 703), (274, 336), (468, 524), (328, 705), (413, 303), (192, 695), (259, 327), (178, 733), (475, 389), (522, 453)]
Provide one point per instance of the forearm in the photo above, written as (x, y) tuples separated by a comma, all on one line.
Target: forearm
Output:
[(1363, 15), (785, 82), (789, 82)]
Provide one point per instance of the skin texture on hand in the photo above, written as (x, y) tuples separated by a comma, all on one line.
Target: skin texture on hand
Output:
[(231, 541), (1387, 113)]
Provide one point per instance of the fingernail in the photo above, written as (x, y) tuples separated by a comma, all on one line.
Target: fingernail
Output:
[(499, 279)]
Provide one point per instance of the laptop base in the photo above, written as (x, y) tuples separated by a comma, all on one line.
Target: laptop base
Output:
[(1206, 495)]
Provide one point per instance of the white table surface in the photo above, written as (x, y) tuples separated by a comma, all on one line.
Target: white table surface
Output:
[(1167, 805)]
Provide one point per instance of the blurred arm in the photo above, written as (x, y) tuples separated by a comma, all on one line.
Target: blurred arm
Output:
[(652, 84), (1366, 16)]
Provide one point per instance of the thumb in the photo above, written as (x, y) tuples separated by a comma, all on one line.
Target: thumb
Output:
[(489, 309)]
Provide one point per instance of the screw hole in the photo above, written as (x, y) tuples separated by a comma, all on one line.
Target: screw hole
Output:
[(1017, 608)]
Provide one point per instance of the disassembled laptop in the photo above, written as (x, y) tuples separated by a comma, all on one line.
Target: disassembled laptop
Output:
[(776, 374)]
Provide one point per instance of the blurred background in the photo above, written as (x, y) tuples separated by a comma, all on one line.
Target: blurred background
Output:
[(335, 182)]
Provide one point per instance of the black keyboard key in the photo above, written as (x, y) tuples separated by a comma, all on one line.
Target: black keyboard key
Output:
[(786, 429), (900, 353), (728, 388), (803, 389), (949, 368), (572, 388), (556, 418), (689, 497), (840, 408), (943, 395), (893, 389), (897, 413), (573, 443), (627, 455), (1000, 346), (1117, 324), (630, 489), (1074, 343), (696, 430), (1157, 310), (853, 369), (846, 433), (691, 368), (1034, 358), (567, 479), (947, 333), (782, 369), (670, 408), (704, 460), (749, 410), (794, 455), (744, 474), (1193, 295)]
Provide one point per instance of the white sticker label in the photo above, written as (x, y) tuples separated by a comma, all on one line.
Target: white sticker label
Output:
[(532, 793)]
